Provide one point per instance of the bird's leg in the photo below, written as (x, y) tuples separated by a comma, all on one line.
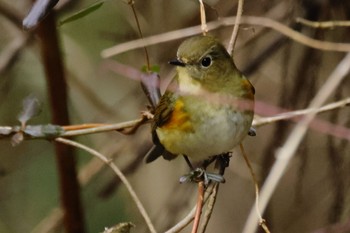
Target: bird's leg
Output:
[(188, 162), (200, 174)]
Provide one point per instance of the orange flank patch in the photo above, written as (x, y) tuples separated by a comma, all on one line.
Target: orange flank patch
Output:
[(248, 88), (179, 119)]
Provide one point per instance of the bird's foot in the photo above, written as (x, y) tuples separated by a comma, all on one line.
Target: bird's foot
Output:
[(199, 174)]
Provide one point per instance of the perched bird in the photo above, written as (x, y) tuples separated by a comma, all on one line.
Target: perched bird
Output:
[(207, 109)]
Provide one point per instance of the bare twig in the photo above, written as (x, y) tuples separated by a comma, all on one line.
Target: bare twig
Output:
[(204, 26), (197, 217), (285, 154), (324, 24), (250, 20), (210, 207), (105, 128), (260, 121), (86, 174), (11, 14), (132, 5), (262, 221), (190, 216), (118, 173), (10, 52), (231, 45), (51, 222)]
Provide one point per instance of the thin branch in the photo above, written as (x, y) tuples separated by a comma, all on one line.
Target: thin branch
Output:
[(10, 52), (104, 128), (118, 173), (296, 36), (324, 24), (260, 121), (250, 20), (92, 128), (50, 222), (190, 216), (285, 154), (210, 207), (204, 26), (11, 14), (53, 220), (234, 35), (132, 5), (262, 221), (199, 207)]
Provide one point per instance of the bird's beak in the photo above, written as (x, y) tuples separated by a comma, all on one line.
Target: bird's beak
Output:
[(177, 62)]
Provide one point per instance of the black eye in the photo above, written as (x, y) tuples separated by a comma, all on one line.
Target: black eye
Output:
[(206, 61)]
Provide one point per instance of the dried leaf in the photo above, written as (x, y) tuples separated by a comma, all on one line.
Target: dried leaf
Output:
[(17, 139), (150, 85), (123, 227), (31, 107)]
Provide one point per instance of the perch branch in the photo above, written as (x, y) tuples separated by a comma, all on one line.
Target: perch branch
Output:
[(199, 207)]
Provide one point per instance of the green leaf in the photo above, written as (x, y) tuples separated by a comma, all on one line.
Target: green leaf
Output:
[(82, 13)]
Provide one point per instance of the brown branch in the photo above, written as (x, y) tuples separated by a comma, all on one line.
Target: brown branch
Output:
[(57, 91), (199, 207), (190, 216)]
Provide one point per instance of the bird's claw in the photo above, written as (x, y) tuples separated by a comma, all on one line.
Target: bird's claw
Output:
[(199, 174)]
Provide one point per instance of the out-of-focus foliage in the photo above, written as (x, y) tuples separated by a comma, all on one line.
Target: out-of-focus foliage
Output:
[(314, 192)]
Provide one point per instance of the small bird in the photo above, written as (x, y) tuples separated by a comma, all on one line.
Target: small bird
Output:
[(208, 107)]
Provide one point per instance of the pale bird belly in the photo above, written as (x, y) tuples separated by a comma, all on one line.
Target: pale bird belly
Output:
[(215, 132)]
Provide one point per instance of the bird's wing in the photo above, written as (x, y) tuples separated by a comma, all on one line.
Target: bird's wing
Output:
[(162, 115)]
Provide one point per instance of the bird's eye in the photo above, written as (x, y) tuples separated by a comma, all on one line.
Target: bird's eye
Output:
[(206, 61)]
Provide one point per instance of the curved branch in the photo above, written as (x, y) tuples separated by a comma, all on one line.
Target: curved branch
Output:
[(118, 173), (251, 20)]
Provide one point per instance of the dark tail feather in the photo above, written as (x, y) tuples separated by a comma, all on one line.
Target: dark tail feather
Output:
[(157, 151)]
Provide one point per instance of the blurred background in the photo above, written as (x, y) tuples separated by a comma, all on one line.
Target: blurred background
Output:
[(313, 195)]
